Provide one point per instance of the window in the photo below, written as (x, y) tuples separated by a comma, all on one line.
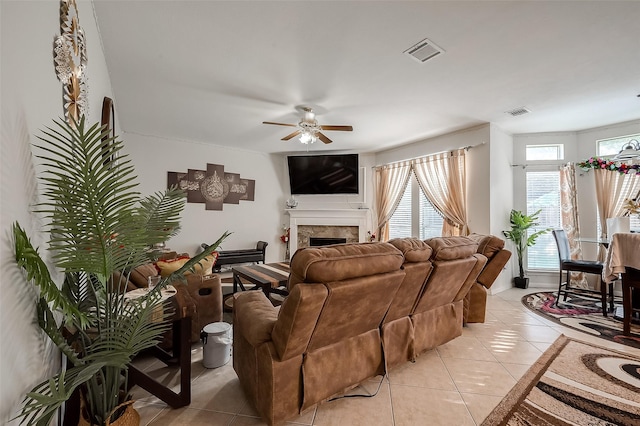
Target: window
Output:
[(543, 193), (612, 146), (545, 152), (430, 219), (415, 216)]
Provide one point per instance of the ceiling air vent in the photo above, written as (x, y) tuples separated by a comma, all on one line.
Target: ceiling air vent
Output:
[(518, 111), (424, 50)]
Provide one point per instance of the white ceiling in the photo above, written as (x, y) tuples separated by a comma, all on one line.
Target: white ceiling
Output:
[(212, 71)]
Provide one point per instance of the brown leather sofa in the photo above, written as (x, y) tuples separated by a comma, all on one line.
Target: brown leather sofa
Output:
[(353, 311), (475, 302), (200, 297)]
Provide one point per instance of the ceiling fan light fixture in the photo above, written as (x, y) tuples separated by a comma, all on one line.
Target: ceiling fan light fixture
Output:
[(306, 138)]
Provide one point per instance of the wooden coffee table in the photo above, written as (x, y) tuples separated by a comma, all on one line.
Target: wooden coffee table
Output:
[(267, 277)]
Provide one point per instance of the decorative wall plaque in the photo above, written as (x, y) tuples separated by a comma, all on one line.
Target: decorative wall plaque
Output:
[(70, 59), (213, 187)]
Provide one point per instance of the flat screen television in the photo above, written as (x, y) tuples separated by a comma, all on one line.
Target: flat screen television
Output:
[(323, 174)]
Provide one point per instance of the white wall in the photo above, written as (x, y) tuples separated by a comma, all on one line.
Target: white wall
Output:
[(500, 196), (31, 99), (249, 221)]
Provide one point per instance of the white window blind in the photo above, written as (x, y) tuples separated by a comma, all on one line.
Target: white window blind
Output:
[(543, 193), (400, 222), (430, 220), (415, 216)]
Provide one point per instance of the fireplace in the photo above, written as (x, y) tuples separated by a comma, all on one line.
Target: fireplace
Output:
[(325, 241), (349, 224)]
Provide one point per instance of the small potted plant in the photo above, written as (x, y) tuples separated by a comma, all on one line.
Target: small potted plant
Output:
[(520, 225)]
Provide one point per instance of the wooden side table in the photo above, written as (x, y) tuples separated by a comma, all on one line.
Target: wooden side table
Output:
[(180, 355)]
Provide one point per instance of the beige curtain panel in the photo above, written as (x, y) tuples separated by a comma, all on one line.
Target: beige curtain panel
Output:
[(569, 220), (612, 188), (389, 184), (442, 178)]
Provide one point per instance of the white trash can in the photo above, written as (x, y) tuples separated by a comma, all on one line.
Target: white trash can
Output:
[(216, 344)]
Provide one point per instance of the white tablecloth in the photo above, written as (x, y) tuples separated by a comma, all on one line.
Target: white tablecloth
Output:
[(624, 250)]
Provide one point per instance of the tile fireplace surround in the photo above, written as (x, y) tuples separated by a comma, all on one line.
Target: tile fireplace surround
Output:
[(304, 223)]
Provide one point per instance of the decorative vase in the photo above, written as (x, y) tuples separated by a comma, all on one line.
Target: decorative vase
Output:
[(521, 282), (292, 203), (130, 417)]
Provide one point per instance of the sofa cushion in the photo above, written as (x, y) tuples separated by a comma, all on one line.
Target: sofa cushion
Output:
[(450, 248), (140, 275), (343, 262), (413, 249), (488, 245)]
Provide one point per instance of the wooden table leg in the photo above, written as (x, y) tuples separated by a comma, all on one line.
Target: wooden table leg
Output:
[(626, 306), (182, 355)]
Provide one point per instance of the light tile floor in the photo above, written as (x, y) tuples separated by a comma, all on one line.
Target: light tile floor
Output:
[(458, 383)]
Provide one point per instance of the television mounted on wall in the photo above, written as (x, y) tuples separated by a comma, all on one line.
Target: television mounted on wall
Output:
[(323, 174)]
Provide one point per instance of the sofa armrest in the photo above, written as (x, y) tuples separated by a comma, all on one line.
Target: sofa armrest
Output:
[(253, 317), (493, 268)]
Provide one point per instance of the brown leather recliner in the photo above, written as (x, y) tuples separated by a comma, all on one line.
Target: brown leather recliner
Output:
[(397, 328), (438, 315), (325, 338), (475, 302)]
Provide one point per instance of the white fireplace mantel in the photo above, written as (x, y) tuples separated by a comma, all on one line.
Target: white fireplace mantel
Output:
[(326, 217)]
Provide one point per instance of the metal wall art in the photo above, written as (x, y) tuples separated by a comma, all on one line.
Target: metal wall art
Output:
[(213, 187), (70, 60)]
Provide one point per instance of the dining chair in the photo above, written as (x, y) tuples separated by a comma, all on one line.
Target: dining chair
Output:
[(569, 265)]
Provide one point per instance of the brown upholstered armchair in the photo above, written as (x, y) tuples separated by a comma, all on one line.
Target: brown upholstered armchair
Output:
[(475, 303), (200, 297)]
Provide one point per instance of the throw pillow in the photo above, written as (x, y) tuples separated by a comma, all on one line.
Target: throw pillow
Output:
[(167, 267)]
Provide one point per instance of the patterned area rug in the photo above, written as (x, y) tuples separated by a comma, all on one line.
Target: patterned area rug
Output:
[(574, 383), (583, 315)]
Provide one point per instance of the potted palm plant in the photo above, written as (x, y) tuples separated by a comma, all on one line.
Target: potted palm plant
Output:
[(519, 234), (98, 225)]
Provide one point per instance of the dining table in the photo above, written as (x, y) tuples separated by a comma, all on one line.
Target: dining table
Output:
[(623, 262)]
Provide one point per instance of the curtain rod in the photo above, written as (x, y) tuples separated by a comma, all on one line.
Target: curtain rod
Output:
[(466, 148), (559, 166)]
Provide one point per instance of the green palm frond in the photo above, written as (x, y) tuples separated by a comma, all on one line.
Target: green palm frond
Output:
[(48, 324), (41, 403), (88, 197), (28, 258)]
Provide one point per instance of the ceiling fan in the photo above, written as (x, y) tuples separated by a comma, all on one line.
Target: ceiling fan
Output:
[(309, 129)]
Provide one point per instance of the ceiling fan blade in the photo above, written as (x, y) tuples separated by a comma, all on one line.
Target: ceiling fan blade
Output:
[(323, 138), (292, 135), (334, 127), (279, 124)]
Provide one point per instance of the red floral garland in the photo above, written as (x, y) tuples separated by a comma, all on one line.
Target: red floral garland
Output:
[(601, 163)]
